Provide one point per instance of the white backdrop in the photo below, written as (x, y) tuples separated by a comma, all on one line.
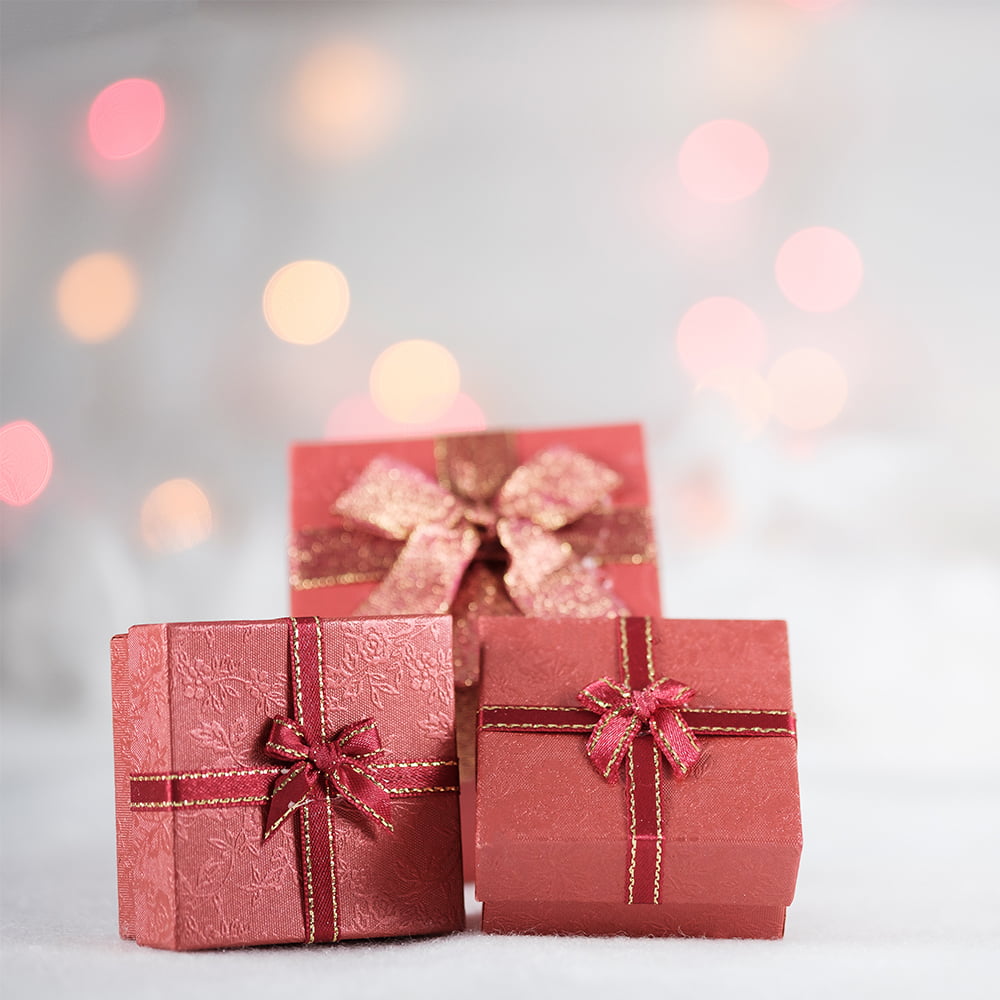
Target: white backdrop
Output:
[(504, 182)]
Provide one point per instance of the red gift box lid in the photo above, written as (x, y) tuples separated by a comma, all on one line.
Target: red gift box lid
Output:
[(549, 827)]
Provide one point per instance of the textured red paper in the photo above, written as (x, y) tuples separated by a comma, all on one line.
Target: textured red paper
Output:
[(199, 697), (553, 837)]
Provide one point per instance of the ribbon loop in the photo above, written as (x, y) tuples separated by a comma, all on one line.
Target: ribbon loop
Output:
[(625, 714), (342, 765), (445, 531)]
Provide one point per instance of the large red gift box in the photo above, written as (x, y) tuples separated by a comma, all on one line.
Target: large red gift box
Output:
[(285, 781), (636, 777), (543, 523)]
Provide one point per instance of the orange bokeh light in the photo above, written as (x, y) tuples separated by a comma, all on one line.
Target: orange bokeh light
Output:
[(813, 4), (344, 100), (176, 515), (126, 118), (720, 332), (819, 269), (414, 381), (25, 463), (96, 296), (723, 161), (808, 389), (306, 301)]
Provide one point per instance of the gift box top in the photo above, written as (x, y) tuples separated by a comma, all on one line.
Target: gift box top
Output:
[(550, 827), (320, 471), (225, 681)]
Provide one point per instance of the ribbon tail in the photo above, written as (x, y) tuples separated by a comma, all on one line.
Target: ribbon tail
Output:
[(363, 790), (610, 742), (426, 576), (675, 739), (291, 791), (546, 579)]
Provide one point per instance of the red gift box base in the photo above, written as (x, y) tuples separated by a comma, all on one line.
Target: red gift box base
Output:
[(604, 919)]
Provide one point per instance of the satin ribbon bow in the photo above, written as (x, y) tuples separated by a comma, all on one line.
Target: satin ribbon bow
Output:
[(626, 714), (444, 532), (343, 764)]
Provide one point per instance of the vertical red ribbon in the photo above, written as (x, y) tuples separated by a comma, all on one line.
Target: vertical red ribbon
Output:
[(315, 819), (643, 770)]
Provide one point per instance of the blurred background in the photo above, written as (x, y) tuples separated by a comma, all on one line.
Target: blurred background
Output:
[(766, 229)]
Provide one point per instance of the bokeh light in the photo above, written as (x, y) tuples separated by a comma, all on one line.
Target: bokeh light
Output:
[(747, 393), (808, 389), (357, 418), (701, 509), (813, 4), (176, 515), (344, 99), (96, 296), (25, 462), (720, 332), (819, 269), (126, 118), (414, 381), (306, 301), (723, 161)]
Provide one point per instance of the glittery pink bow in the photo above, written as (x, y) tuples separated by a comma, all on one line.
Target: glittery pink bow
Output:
[(444, 532), (625, 714)]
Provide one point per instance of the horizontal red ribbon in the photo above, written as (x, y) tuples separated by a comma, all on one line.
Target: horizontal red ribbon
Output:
[(702, 721), (253, 786)]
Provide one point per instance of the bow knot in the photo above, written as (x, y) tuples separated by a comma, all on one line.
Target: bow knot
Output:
[(513, 522), (338, 767), (626, 714)]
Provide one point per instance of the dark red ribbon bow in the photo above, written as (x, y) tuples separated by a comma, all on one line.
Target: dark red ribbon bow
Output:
[(343, 764), (628, 713)]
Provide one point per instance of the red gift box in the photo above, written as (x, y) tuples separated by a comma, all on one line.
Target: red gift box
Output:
[(285, 781), (544, 523), (636, 777)]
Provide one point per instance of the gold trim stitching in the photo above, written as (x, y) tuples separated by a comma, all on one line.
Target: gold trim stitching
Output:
[(182, 803), (297, 664), (319, 671), (204, 774), (310, 909), (333, 868), (631, 809), (649, 650)]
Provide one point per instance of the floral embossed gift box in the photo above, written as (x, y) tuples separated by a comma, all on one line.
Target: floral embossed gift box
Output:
[(285, 781), (636, 777), (540, 523)]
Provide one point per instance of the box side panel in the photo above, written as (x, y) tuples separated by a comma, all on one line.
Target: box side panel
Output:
[(153, 874), (608, 919), (121, 729), (228, 681)]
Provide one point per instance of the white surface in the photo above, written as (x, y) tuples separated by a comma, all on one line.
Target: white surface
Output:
[(524, 213)]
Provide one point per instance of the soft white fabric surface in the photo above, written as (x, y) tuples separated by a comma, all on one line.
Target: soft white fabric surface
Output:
[(525, 213)]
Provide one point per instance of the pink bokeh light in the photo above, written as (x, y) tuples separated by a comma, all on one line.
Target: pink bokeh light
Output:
[(720, 332), (723, 161), (126, 118), (25, 463), (357, 418), (819, 269)]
